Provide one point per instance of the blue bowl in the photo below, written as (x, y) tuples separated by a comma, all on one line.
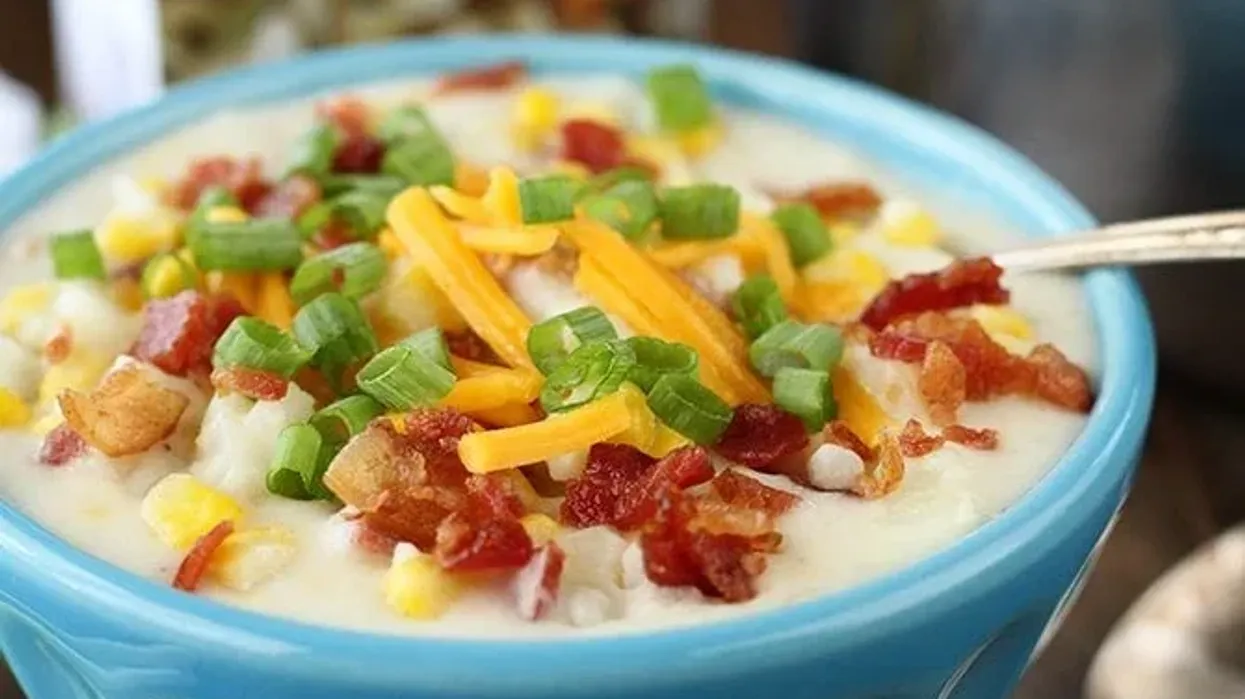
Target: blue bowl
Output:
[(962, 623)]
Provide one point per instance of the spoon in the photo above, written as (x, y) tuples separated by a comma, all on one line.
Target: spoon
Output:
[(1193, 238)]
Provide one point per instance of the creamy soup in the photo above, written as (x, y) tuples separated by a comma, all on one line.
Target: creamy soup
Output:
[(844, 514)]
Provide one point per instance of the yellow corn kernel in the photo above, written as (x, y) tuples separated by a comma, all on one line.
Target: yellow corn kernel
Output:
[(912, 228), (843, 232), (1002, 322), (858, 408), (80, 371), (127, 293), (642, 432), (659, 150), (22, 303), (535, 116), (126, 239), (153, 185), (242, 286), (702, 141), (592, 111), (412, 302), (570, 168), (180, 509), (168, 278), (249, 557), (540, 527), (274, 303), (849, 266), (13, 411), (418, 588), (226, 214)]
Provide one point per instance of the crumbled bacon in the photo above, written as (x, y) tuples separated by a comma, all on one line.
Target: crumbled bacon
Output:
[(412, 513), (369, 539), (536, 586), (611, 470), (915, 442), (61, 445), (883, 465), (562, 261), (738, 490), (195, 564), (289, 198), (332, 235), (244, 178), (839, 199), (125, 414), (840, 434), (761, 436), (498, 493), (492, 77), (350, 115), (359, 154), (477, 539), (942, 383), (598, 146), (1058, 380), (179, 333), (59, 345), (984, 439), (468, 345), (959, 284), (681, 469), (252, 383)]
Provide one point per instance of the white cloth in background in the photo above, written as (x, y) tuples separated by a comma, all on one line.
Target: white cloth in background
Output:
[(21, 124), (108, 54)]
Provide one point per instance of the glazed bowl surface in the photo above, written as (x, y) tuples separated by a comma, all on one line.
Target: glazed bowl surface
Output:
[(960, 624)]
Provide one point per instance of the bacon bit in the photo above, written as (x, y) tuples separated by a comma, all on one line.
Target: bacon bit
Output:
[(678, 470), (840, 199), (244, 178), (494, 77), (536, 586), (738, 490), (839, 433), (59, 345), (125, 414), (289, 198), (370, 540), (468, 345), (475, 539), (196, 562), (350, 115), (413, 513), (179, 333), (359, 153), (61, 445), (760, 436), (252, 383), (315, 384), (942, 383), (498, 493), (1058, 380), (884, 473), (915, 442), (984, 439), (599, 147), (610, 471), (959, 284)]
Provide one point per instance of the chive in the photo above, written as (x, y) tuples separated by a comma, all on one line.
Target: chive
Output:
[(616, 176), (354, 270), (807, 236), (548, 199), (655, 358), (293, 473), (421, 161), (313, 153), (430, 344), (550, 342), (405, 122), (593, 371), (257, 244), (252, 343), (403, 378), (699, 211), (758, 306), (363, 211), (210, 198), (153, 273), (628, 207), (76, 256), (345, 418), (690, 409), (333, 328), (680, 99), (386, 185), (792, 344), (314, 218), (805, 393)]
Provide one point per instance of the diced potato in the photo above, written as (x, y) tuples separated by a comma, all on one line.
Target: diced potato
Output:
[(80, 372), (410, 301), (97, 323), (540, 527), (13, 411), (180, 509), (23, 302), (416, 587), (252, 556), (20, 369), (535, 116)]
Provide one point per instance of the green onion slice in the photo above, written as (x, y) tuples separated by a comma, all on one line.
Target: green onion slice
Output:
[(253, 245), (627, 207), (792, 344), (362, 210), (593, 371), (354, 270), (548, 199), (188, 278), (253, 343), (295, 472), (690, 409), (338, 183), (758, 306), (76, 256), (680, 99), (211, 198), (805, 393), (345, 418), (313, 152), (430, 344), (654, 358), (405, 122), (420, 160), (699, 211), (333, 328), (314, 218), (550, 342), (806, 234), (616, 176), (403, 378)]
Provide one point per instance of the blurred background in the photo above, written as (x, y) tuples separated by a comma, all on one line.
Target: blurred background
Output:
[(1135, 105)]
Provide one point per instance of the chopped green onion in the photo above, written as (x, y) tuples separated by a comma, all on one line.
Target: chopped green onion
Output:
[(253, 245), (806, 234), (293, 472), (550, 342), (315, 217), (153, 282), (387, 185), (627, 207), (548, 199), (690, 409), (333, 328), (430, 344), (407, 121), (252, 343), (758, 305), (655, 358), (313, 153), (422, 161), (345, 418), (680, 99), (699, 211), (363, 211), (403, 378), (616, 176), (792, 344), (355, 270), (806, 394), (76, 256), (593, 371), (211, 198)]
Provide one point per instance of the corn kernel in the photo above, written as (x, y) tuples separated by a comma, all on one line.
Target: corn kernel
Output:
[(570, 168), (80, 371), (181, 509), (128, 239), (470, 180), (127, 293), (249, 557), (846, 265), (910, 226), (1002, 322), (153, 185), (23, 302), (659, 150), (13, 411), (535, 116), (702, 141), (540, 527), (226, 214), (418, 588), (167, 279)]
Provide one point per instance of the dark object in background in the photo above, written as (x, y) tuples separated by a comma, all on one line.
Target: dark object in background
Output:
[(1135, 105)]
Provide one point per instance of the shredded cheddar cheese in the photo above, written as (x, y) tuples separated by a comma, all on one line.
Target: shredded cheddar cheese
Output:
[(527, 241), (494, 390), (858, 408), (274, 303), (777, 254), (242, 286)]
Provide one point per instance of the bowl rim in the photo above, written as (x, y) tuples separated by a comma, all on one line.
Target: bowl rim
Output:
[(1093, 470)]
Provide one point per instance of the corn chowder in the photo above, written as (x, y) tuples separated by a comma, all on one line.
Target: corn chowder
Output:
[(491, 355)]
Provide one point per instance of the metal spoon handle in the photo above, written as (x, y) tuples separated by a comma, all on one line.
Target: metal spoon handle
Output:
[(1216, 236)]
